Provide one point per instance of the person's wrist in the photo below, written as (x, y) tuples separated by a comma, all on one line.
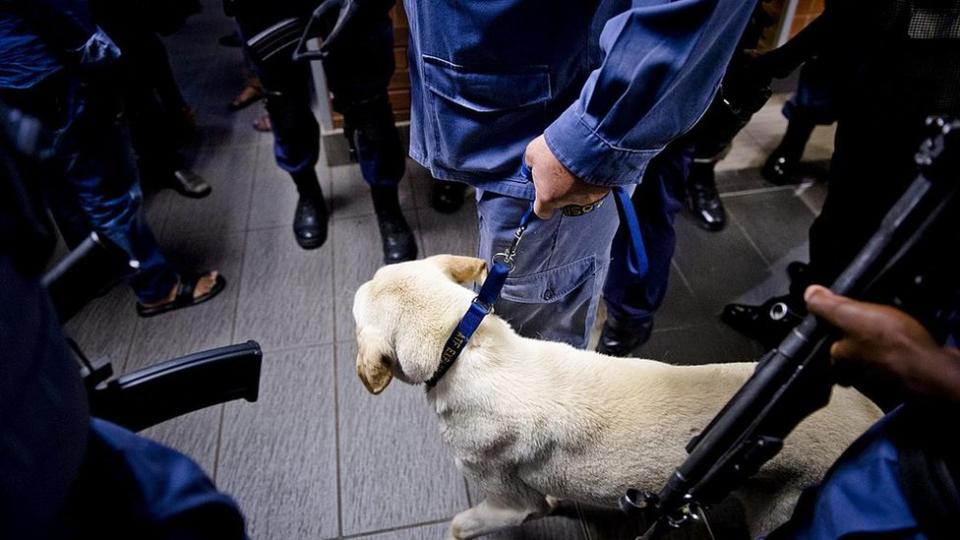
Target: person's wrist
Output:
[(938, 376), (952, 380)]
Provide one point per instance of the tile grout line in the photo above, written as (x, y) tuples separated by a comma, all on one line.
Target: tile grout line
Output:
[(216, 453), (396, 529), (750, 241), (336, 380), (133, 335), (253, 181), (755, 191), (236, 316), (683, 277), (679, 327), (807, 202), (336, 439)]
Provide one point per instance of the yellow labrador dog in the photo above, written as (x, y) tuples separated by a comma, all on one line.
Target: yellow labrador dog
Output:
[(534, 422)]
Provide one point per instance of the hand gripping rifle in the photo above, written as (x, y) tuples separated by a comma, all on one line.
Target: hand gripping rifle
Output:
[(794, 380)]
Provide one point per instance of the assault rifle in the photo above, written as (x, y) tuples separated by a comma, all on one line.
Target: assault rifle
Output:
[(795, 379)]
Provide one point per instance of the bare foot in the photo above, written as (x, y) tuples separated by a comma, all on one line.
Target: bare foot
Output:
[(204, 285), (263, 123), (250, 94)]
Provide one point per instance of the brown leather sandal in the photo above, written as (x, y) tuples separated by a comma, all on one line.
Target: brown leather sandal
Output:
[(184, 297)]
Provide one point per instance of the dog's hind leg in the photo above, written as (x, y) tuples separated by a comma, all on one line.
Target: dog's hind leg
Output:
[(494, 514)]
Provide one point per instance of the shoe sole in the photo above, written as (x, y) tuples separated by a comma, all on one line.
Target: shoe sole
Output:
[(310, 244)]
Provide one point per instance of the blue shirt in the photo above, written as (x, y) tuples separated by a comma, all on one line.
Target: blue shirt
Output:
[(861, 496), (609, 83)]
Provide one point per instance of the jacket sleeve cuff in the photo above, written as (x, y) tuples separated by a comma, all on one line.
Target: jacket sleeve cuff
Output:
[(592, 159)]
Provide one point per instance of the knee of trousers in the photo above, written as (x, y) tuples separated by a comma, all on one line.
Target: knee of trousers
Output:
[(373, 138)]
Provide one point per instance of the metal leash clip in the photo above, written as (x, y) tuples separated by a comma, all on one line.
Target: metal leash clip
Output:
[(508, 255)]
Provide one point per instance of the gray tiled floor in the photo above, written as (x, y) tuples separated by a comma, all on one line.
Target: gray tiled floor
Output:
[(317, 457), (294, 421)]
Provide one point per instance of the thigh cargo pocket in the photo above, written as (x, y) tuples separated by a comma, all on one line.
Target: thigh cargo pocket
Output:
[(484, 118), (553, 304)]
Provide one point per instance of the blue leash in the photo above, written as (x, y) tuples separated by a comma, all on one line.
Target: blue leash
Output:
[(503, 263), (637, 261), (482, 305)]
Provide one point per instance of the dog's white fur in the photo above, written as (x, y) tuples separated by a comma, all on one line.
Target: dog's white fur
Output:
[(533, 422)]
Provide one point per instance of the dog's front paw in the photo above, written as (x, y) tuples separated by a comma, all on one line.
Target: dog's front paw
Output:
[(453, 533)]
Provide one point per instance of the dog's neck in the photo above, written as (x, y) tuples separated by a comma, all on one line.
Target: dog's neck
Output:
[(493, 339)]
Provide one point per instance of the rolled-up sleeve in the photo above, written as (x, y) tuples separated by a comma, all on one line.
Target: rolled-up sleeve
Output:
[(662, 62)]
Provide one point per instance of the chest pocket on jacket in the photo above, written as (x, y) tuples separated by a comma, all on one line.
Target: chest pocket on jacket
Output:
[(484, 118)]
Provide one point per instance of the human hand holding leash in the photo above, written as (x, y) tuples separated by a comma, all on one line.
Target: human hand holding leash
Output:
[(556, 186), (886, 340)]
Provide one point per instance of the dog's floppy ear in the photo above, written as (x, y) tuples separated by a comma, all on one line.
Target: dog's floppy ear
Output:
[(374, 356), (461, 269)]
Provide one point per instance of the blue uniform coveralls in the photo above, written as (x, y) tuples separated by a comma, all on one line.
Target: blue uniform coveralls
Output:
[(358, 70), (94, 178), (488, 77)]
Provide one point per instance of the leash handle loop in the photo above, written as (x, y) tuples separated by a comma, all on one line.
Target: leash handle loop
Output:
[(637, 261)]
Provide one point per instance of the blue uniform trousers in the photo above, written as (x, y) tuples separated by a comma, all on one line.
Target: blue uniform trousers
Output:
[(657, 201), (561, 263), (814, 100), (358, 70), (93, 179)]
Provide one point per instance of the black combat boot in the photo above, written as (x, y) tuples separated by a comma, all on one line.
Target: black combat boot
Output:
[(781, 166), (447, 197), (769, 323), (621, 338), (398, 242), (311, 216), (703, 201)]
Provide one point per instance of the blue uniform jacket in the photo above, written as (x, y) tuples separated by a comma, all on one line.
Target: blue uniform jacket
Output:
[(608, 82)]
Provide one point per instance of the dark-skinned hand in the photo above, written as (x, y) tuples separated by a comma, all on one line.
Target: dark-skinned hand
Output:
[(883, 339)]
